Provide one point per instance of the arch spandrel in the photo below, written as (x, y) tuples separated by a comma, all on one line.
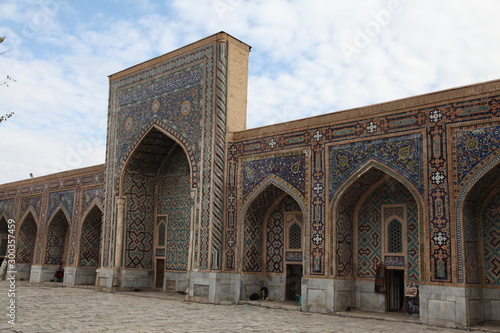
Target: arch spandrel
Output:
[(279, 183), (59, 209), (382, 170)]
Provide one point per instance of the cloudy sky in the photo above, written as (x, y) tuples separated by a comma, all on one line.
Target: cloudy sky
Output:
[(308, 57)]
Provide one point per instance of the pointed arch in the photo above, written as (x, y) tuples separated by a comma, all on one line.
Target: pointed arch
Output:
[(26, 243), (346, 202), (279, 183), (91, 237), (4, 232), (263, 226), (60, 209), (28, 211), (376, 165), (157, 179), (93, 204), (482, 183), (3, 216), (157, 125), (56, 238)]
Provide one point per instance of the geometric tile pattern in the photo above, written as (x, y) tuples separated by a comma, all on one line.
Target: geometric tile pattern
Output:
[(185, 97), (254, 228), (342, 239), (471, 240), (174, 200), (91, 238), (36, 200), (26, 240), (433, 120), (139, 184), (437, 188), (370, 234), (275, 237), (219, 157), (56, 240), (139, 189), (318, 199), (231, 234), (476, 157), (491, 240)]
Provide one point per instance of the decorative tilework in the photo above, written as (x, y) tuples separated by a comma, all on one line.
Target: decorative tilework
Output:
[(186, 98), (484, 181), (139, 189), (231, 228), (174, 200), (26, 240), (161, 86), (56, 240), (7, 208), (474, 146), (289, 167), (34, 202), (139, 185), (275, 237), (403, 154), (370, 233), (184, 125), (491, 240), (218, 164), (91, 238), (294, 256), (342, 239), (89, 196), (65, 199), (254, 229)]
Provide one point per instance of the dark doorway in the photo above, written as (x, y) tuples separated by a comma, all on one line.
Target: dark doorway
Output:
[(160, 273), (293, 281), (395, 290)]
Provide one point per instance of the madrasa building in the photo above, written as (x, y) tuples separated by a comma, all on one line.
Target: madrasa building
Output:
[(380, 208)]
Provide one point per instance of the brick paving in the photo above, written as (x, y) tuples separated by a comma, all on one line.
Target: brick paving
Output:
[(51, 308)]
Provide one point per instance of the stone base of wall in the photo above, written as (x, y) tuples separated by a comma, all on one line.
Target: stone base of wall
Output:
[(327, 295), (252, 284), (136, 279), (214, 288), (451, 306), (41, 274), (23, 272), (367, 299), (491, 304), (174, 282), (317, 295), (77, 276), (104, 279)]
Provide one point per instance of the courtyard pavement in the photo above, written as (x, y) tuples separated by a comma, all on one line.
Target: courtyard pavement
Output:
[(51, 308)]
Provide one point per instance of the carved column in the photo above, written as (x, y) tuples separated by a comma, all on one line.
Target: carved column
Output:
[(120, 206)]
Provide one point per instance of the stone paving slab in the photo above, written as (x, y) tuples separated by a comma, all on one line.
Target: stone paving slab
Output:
[(47, 308)]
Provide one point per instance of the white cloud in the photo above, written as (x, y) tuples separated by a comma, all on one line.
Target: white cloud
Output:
[(64, 51)]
